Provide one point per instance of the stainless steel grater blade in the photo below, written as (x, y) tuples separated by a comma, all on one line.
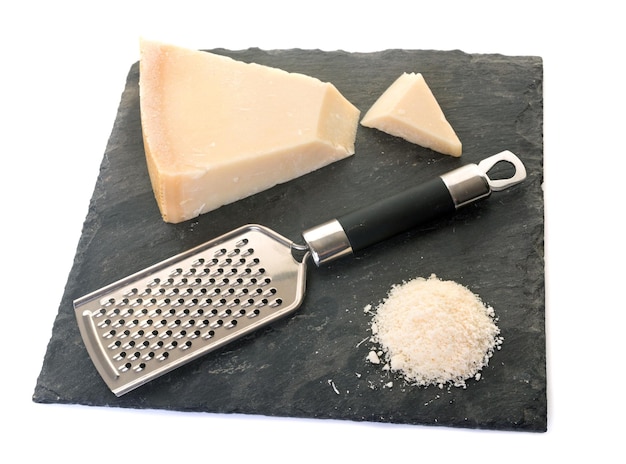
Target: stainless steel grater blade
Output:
[(164, 316)]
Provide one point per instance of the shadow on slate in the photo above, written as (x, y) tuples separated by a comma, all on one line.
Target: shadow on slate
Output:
[(313, 364)]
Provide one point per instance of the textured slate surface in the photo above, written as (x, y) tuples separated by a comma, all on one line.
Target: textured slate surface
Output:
[(312, 364)]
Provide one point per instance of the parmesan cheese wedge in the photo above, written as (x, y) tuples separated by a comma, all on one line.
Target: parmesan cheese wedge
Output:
[(217, 130), (408, 109)]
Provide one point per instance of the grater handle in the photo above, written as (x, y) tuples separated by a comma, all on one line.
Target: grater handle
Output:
[(381, 220), (386, 218)]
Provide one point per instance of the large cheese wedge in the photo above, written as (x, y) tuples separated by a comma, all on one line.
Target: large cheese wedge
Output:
[(408, 109), (217, 130)]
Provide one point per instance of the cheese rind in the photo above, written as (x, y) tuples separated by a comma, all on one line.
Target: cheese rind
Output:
[(217, 130), (408, 109)]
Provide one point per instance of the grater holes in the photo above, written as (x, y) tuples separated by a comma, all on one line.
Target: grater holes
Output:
[(176, 272), (115, 345), (114, 312), (220, 252), (183, 312), (205, 272), (171, 315)]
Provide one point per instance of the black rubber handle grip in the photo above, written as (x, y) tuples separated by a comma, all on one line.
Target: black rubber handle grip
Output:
[(397, 214)]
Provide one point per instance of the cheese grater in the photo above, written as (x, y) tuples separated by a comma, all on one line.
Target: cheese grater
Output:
[(147, 324)]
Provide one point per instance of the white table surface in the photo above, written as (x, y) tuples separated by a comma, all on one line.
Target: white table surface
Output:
[(64, 66)]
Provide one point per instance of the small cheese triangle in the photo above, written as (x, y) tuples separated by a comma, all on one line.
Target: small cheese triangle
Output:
[(217, 130), (408, 109)]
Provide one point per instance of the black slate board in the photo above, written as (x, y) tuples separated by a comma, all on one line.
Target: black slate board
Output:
[(313, 364)]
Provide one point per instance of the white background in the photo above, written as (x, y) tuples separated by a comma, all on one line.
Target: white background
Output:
[(63, 68)]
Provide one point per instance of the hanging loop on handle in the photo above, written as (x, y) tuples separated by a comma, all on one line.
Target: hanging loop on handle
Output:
[(502, 184), (471, 182)]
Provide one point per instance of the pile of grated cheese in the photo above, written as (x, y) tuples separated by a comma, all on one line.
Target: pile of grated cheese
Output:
[(435, 332)]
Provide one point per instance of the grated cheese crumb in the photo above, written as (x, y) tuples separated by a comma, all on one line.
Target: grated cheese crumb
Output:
[(435, 332), (373, 357), (332, 384)]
